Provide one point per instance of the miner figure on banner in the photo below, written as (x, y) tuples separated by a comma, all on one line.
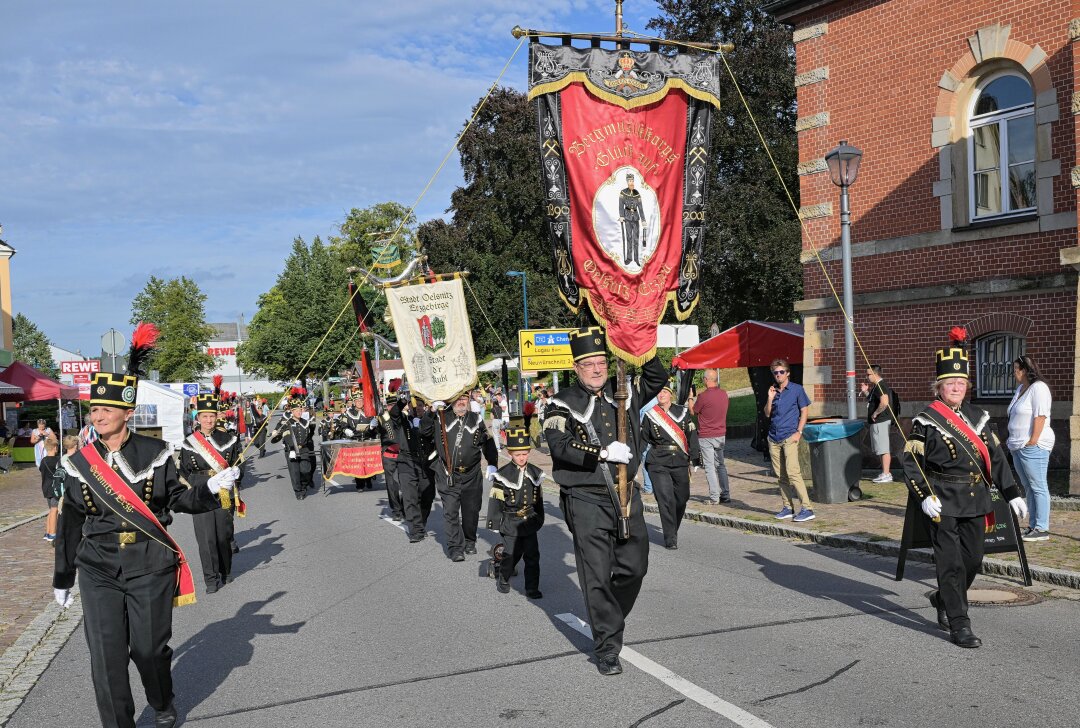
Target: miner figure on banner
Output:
[(580, 429), (461, 438), (631, 216)]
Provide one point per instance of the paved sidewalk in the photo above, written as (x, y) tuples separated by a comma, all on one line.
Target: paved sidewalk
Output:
[(26, 561)]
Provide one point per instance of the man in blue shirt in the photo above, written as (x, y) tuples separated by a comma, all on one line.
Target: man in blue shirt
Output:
[(786, 408)]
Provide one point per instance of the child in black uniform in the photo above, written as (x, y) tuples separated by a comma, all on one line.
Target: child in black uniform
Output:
[(516, 510)]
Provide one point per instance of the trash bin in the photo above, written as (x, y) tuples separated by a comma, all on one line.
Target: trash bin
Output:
[(835, 459)]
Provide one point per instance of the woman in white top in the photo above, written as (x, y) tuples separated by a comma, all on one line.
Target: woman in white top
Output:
[(1030, 442), (37, 439)]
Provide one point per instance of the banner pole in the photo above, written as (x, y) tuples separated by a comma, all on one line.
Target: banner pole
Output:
[(622, 394)]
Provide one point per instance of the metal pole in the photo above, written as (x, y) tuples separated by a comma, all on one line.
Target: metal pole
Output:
[(522, 381), (849, 306), (239, 371)]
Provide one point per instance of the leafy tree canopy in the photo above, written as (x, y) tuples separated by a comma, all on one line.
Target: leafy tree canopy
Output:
[(178, 307), (32, 346)]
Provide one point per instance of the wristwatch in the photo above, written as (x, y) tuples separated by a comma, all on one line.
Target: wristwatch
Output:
[(603, 453)]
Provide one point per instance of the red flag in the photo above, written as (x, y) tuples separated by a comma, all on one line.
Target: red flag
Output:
[(241, 425), (359, 308), (367, 384)]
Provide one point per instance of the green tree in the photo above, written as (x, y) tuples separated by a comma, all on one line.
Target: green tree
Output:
[(178, 307), (296, 313), (497, 225), (751, 263), (32, 346)]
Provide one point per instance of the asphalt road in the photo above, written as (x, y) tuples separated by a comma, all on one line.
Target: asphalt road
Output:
[(336, 620)]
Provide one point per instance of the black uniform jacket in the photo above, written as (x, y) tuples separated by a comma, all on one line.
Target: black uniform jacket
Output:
[(399, 437), (85, 537), (296, 435), (195, 469), (516, 500), (465, 450), (575, 460), (668, 449), (953, 465)]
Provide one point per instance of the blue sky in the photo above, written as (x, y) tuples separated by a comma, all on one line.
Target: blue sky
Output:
[(200, 138)]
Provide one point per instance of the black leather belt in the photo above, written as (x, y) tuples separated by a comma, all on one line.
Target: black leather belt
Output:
[(122, 537), (667, 448), (966, 479)]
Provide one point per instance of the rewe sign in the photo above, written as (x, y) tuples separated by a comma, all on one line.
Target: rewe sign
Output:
[(80, 366)]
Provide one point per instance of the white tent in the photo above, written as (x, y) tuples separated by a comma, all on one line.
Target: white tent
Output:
[(160, 407), (495, 365)]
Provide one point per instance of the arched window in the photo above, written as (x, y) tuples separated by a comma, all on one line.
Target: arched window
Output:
[(1002, 147), (994, 356)]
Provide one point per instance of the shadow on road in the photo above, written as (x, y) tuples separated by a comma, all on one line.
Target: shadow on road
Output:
[(257, 547), (204, 662)]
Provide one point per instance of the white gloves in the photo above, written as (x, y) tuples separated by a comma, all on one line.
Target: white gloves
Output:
[(349, 432), (374, 422), (1019, 507), (618, 452), (932, 507), (491, 470), (224, 479), (438, 404), (416, 422), (63, 597), (292, 454)]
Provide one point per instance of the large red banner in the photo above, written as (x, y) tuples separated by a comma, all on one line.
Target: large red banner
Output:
[(624, 140), (352, 460)]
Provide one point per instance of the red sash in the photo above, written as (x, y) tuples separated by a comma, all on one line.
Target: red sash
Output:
[(108, 486), (671, 427), (964, 429), (209, 452)]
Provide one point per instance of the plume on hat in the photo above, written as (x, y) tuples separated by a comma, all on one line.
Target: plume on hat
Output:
[(218, 379), (142, 343), (957, 335)]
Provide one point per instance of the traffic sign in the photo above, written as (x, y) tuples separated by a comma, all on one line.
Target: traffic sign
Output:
[(112, 342), (544, 350), (191, 390)]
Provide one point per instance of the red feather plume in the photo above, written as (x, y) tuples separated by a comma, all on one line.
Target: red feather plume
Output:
[(958, 334), (218, 379), (142, 342)]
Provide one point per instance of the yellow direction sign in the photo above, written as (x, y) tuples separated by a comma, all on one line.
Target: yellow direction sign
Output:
[(544, 350)]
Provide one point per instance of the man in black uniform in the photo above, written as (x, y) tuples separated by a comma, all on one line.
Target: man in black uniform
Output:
[(516, 511), (579, 425), (354, 425), (631, 215), (205, 453), (119, 497), (403, 458), (672, 436), (951, 460), (298, 435), (460, 439), (259, 425)]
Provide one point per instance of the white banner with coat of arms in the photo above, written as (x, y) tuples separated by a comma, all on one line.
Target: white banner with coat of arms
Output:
[(432, 328)]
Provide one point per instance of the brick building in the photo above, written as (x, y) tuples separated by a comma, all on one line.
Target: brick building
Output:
[(941, 98)]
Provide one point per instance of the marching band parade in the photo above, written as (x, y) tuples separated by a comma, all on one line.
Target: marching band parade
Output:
[(577, 481)]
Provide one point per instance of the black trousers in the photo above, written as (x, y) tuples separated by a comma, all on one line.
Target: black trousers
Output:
[(461, 496), (301, 472), (671, 487), (517, 548), (260, 438), (417, 486), (958, 554), (214, 534), (393, 477), (122, 618), (610, 570)]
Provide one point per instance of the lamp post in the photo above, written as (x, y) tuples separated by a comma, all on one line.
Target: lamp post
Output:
[(525, 324), (843, 164)]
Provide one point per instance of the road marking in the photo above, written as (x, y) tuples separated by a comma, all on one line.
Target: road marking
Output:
[(399, 524), (699, 695)]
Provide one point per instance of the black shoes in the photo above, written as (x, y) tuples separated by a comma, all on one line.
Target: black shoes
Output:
[(965, 638), (672, 545), (234, 547), (502, 586), (416, 538), (725, 499), (470, 548), (211, 588), (942, 616), (535, 594), (457, 557), (609, 665), (166, 718)]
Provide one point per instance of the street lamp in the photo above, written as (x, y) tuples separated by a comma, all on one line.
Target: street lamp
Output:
[(525, 325), (843, 164)]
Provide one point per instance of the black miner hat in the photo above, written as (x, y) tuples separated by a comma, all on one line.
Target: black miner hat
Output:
[(517, 440), (119, 390), (586, 342), (952, 362)]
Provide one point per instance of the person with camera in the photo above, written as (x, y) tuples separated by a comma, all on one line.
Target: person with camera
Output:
[(787, 408)]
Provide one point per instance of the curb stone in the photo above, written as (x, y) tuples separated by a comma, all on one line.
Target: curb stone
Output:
[(23, 663), (23, 522), (885, 547)]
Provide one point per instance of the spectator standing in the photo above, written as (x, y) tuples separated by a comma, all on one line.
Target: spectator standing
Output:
[(879, 418), (1030, 442), (711, 408), (37, 439), (48, 466), (646, 479), (498, 409), (476, 403), (786, 409)]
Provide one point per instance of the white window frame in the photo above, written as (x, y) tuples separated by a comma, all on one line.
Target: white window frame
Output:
[(1001, 119), (1014, 348)]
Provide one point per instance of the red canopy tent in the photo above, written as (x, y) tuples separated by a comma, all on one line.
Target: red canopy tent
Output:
[(749, 344), (36, 386)]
